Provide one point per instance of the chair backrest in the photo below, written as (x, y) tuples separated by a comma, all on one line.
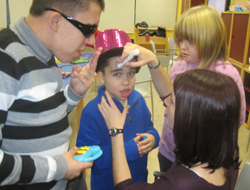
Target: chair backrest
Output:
[(171, 43), (163, 57), (164, 60), (143, 84), (243, 181), (153, 46), (141, 76)]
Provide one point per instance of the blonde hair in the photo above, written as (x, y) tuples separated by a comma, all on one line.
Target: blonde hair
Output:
[(203, 26)]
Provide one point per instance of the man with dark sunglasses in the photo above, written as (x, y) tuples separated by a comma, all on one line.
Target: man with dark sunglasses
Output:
[(34, 107), (87, 29)]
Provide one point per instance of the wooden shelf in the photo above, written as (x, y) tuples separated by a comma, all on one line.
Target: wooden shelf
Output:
[(247, 88), (238, 39), (247, 107), (160, 42)]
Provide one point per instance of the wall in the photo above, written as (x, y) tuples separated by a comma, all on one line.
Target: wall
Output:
[(124, 14), (3, 19), (118, 13), (18, 8), (157, 12), (219, 5)]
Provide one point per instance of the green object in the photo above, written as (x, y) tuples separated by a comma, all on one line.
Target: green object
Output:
[(81, 60)]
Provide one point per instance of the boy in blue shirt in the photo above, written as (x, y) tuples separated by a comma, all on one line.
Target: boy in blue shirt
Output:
[(119, 82)]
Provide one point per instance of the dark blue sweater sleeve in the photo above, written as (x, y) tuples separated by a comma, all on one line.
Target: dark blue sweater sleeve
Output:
[(91, 132), (131, 150), (149, 125)]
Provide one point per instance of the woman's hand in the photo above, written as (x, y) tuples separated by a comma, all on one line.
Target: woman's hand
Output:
[(144, 57), (111, 114)]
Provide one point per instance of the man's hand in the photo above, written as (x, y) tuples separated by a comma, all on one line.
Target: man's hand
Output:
[(83, 77), (74, 167)]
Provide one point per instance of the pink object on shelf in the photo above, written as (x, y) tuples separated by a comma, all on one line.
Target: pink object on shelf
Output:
[(147, 37)]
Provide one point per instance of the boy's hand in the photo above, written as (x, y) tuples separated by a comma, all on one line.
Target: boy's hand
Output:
[(74, 167), (145, 146), (137, 140), (83, 77)]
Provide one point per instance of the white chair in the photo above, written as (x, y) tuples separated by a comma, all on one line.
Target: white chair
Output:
[(243, 182), (162, 54), (172, 49), (164, 60), (143, 84), (158, 51)]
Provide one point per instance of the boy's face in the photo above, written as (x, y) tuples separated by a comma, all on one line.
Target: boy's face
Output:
[(119, 82), (69, 40)]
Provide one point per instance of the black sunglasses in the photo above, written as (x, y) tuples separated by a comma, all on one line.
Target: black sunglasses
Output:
[(86, 29)]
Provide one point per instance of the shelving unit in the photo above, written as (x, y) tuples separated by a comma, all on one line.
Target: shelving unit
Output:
[(246, 83), (186, 4), (160, 42), (238, 39)]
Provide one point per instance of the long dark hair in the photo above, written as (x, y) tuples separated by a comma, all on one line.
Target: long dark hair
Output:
[(206, 122)]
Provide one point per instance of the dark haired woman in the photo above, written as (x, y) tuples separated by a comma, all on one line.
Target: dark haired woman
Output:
[(204, 111)]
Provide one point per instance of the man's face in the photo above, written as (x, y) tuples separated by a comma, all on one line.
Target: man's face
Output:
[(69, 40)]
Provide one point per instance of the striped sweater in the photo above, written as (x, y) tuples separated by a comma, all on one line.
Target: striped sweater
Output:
[(33, 113)]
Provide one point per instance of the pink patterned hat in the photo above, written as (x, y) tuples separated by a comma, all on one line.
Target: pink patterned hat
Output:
[(112, 41), (111, 38)]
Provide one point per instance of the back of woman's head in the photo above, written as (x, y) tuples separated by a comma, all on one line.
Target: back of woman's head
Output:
[(203, 26), (206, 122)]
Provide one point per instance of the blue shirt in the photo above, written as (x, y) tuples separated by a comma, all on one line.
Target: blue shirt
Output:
[(93, 131)]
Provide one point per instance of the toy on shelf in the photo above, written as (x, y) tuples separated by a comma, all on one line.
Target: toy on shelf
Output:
[(65, 74), (88, 153), (240, 6), (81, 60)]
